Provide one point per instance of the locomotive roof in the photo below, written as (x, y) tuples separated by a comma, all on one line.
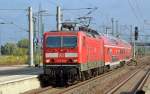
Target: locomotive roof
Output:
[(64, 32), (72, 32)]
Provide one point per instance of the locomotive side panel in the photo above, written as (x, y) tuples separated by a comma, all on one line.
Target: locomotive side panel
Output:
[(92, 53)]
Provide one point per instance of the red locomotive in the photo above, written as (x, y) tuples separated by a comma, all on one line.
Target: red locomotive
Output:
[(76, 55)]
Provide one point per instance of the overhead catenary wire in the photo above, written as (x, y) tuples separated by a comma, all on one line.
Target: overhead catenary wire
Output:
[(139, 9), (88, 11), (139, 17), (14, 24), (52, 2), (76, 9), (134, 12), (14, 9), (100, 11), (99, 7), (14, 12), (140, 14)]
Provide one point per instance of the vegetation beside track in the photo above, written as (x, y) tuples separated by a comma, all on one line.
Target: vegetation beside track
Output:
[(14, 53), (13, 60), (17, 53)]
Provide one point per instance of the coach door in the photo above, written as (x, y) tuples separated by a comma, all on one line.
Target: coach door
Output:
[(102, 55)]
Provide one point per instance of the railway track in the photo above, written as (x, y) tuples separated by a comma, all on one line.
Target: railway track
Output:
[(85, 86), (142, 82), (133, 83), (75, 89)]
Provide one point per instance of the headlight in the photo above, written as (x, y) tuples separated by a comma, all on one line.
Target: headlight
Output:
[(47, 61), (75, 60)]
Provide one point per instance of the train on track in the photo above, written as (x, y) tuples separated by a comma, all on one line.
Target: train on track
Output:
[(80, 54)]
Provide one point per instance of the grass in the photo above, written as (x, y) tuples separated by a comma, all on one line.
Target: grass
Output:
[(13, 60), (37, 59)]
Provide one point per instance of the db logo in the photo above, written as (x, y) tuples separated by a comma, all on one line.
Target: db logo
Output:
[(61, 55)]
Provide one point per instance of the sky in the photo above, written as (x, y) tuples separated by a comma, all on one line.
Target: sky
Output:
[(126, 12)]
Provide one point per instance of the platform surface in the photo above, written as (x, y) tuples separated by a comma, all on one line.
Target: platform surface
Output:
[(13, 73)]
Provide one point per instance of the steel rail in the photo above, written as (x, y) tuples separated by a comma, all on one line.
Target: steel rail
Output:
[(141, 83), (88, 81), (114, 89)]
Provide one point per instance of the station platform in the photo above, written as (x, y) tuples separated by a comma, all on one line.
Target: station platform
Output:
[(12, 73), (18, 79)]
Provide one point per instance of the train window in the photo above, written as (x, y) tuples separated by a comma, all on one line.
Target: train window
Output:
[(118, 51), (121, 52), (109, 51), (69, 41), (59, 41), (53, 41)]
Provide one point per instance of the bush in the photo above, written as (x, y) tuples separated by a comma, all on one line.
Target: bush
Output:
[(20, 48), (13, 60)]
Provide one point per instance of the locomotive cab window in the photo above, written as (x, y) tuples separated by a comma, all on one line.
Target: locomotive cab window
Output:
[(61, 41), (53, 41), (69, 41)]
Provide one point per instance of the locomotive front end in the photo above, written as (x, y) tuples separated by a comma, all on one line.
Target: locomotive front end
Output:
[(61, 50), (60, 55)]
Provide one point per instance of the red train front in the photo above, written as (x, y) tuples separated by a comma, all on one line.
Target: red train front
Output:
[(60, 48), (79, 55)]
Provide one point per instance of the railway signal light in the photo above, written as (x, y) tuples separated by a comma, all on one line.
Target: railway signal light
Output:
[(136, 33)]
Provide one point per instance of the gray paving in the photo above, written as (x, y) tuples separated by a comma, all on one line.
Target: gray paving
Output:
[(8, 74)]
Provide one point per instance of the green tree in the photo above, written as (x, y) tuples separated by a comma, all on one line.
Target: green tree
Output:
[(20, 48), (9, 49), (24, 43)]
